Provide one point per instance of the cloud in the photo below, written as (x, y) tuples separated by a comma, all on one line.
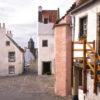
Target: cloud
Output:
[(21, 15), (54, 4)]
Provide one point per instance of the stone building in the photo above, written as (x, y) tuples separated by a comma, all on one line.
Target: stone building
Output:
[(46, 20), (86, 25), (11, 54)]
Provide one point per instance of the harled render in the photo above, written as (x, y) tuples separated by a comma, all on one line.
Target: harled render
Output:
[(11, 54), (62, 34), (46, 20), (86, 51)]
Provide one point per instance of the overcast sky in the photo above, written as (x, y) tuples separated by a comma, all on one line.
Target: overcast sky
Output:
[(20, 16)]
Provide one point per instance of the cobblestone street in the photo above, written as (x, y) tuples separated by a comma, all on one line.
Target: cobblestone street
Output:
[(28, 87)]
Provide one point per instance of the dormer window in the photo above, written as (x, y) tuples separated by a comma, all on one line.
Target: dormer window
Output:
[(7, 43), (46, 20)]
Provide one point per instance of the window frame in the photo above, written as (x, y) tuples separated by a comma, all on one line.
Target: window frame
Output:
[(45, 44), (10, 58), (46, 20), (81, 27), (11, 69)]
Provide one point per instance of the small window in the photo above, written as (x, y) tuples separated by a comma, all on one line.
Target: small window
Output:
[(11, 56), (46, 20), (44, 43), (7, 43), (11, 69), (83, 27)]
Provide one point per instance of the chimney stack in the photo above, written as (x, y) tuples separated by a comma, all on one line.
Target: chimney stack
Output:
[(9, 33), (40, 8), (40, 14)]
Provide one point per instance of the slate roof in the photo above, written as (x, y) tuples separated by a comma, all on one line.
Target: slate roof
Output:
[(82, 5)]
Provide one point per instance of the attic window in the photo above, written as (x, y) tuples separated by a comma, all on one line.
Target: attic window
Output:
[(7, 43), (46, 20), (44, 43)]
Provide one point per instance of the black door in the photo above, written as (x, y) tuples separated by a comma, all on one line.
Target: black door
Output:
[(46, 68)]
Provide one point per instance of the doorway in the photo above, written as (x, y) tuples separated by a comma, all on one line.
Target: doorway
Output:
[(46, 68)]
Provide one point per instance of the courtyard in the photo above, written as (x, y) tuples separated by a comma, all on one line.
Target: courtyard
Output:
[(28, 87)]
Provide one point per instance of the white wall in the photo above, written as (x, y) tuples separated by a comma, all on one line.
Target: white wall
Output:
[(4, 64), (45, 32), (90, 94), (91, 12)]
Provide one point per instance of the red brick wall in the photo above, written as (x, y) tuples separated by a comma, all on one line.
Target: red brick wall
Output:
[(63, 60)]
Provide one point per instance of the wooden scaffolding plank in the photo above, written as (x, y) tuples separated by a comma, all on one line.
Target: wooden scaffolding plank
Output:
[(84, 68)]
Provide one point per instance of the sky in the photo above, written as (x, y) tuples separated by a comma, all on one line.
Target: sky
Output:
[(21, 16)]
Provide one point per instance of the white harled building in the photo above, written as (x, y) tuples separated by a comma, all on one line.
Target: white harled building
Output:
[(46, 20), (11, 54)]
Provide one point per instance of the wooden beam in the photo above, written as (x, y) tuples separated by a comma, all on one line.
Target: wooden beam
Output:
[(90, 66), (95, 70), (78, 58), (92, 49), (81, 42), (82, 49), (84, 68)]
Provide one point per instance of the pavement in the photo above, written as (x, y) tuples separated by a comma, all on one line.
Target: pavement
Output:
[(28, 86)]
